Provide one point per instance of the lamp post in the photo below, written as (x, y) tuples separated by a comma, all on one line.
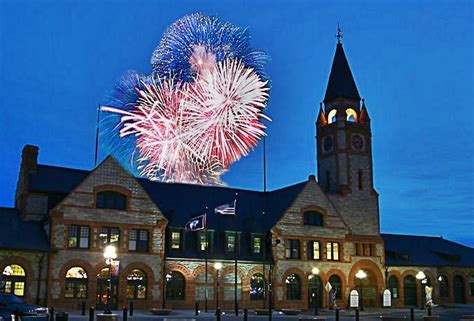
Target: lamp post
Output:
[(217, 266), (110, 254), (361, 275), (314, 274), (421, 277)]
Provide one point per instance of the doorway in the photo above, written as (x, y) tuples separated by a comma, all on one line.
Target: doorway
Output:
[(409, 289), (102, 285), (315, 292), (458, 287)]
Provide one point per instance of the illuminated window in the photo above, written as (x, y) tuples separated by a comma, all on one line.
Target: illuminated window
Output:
[(314, 251), (112, 200), (257, 244), (313, 218), (351, 115), (200, 287), (293, 287), (75, 286), (257, 287), (78, 236), (136, 285), (230, 240), (332, 251), (175, 286), (14, 278), (332, 116), (109, 235), (292, 249), (138, 241), (176, 240)]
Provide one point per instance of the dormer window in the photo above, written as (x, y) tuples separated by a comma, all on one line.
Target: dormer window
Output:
[(351, 115), (313, 218), (112, 200), (332, 116)]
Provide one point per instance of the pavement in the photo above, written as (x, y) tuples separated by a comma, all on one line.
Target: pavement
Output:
[(446, 313)]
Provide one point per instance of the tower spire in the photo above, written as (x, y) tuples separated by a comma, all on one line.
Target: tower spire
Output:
[(339, 33)]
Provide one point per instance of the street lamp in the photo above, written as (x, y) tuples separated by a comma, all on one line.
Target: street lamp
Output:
[(110, 254), (217, 266), (421, 277), (315, 272), (361, 275)]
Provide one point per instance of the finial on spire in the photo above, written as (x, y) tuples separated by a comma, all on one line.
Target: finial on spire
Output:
[(339, 33)]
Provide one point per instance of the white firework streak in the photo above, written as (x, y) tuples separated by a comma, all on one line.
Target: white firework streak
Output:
[(224, 107)]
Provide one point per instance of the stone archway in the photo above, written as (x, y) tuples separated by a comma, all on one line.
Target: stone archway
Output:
[(370, 288)]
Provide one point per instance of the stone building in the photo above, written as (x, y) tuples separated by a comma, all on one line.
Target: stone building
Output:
[(52, 241)]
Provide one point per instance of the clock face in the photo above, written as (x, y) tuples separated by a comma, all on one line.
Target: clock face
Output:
[(357, 142), (327, 143)]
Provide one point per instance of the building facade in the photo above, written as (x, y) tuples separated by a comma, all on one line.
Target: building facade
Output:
[(52, 241)]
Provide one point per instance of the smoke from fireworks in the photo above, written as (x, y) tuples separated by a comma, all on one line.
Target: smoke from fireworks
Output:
[(201, 108)]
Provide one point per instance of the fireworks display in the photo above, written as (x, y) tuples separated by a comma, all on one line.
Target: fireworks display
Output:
[(199, 111)]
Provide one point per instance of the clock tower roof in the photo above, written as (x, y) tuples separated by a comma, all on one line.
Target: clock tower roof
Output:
[(341, 83)]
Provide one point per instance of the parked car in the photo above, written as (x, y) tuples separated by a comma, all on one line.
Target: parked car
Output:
[(10, 303)]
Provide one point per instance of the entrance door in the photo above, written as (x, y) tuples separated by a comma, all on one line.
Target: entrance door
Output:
[(409, 289), (458, 285), (315, 292), (102, 284), (367, 288)]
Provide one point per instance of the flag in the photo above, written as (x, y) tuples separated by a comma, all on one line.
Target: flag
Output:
[(196, 223), (226, 209)]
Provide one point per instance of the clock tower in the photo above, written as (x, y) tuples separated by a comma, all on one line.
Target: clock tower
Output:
[(344, 146)]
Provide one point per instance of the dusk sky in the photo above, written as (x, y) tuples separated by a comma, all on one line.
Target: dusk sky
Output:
[(412, 61)]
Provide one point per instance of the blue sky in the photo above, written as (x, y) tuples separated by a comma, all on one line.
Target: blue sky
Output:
[(412, 62)]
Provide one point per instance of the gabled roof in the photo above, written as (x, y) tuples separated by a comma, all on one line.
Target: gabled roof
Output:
[(341, 83), (413, 250), (16, 234)]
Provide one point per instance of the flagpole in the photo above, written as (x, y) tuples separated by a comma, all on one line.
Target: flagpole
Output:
[(207, 249), (264, 218), (96, 152), (236, 306)]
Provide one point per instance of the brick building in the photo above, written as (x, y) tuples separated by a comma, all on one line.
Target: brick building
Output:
[(52, 241)]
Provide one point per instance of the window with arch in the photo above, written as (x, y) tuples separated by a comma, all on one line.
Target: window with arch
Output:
[(313, 218), (336, 284), (112, 200), (200, 287), (75, 286), (175, 286), (257, 287), (351, 115), (471, 285), (293, 287), (332, 116), (15, 279), (443, 287), (393, 286), (136, 285), (229, 286)]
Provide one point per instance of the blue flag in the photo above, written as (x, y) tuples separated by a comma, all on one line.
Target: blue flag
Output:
[(196, 223)]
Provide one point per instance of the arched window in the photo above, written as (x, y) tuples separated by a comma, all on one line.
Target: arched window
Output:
[(471, 285), (458, 289), (393, 286), (293, 287), (76, 283), (175, 286), (313, 218), (111, 199), (443, 287), (336, 284), (136, 285), (200, 287), (15, 279), (229, 286), (351, 115), (257, 287), (332, 116)]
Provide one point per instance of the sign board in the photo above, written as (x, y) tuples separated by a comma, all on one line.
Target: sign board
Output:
[(387, 298), (354, 299), (328, 287), (115, 268)]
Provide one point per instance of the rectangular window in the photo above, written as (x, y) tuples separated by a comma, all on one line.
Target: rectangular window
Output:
[(230, 241), (78, 236), (176, 240), (332, 251), (138, 241), (257, 244), (203, 241), (109, 236), (314, 251), (292, 249)]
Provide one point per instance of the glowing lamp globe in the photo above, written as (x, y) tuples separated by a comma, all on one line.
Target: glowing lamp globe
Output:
[(218, 265), (315, 271), (361, 274), (110, 252), (420, 275)]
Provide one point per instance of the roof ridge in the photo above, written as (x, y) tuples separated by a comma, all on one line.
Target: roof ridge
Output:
[(68, 168)]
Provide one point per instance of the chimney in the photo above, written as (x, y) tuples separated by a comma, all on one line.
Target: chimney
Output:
[(29, 162)]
